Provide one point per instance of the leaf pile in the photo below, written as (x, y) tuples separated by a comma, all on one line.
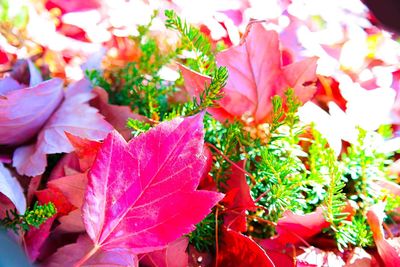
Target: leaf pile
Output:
[(233, 142)]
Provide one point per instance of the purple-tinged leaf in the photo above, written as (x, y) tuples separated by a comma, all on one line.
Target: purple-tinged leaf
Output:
[(10, 187)]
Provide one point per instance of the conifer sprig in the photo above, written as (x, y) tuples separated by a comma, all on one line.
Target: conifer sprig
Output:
[(193, 40)]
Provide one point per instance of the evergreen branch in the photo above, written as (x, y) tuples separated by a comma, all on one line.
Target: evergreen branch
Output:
[(193, 40), (335, 198), (211, 93)]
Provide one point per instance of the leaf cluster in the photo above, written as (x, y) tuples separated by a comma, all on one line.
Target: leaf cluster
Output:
[(289, 166)]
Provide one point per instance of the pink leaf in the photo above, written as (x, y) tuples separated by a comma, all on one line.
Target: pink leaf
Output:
[(10, 187), (315, 257), (72, 222), (70, 254), (174, 255), (194, 84), (256, 74), (23, 112), (36, 237), (34, 184), (72, 187), (74, 5), (388, 248), (236, 248), (293, 228), (142, 195), (85, 149), (116, 115), (8, 84), (74, 116), (67, 165)]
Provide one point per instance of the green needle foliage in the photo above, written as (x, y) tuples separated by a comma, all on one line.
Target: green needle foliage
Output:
[(278, 166), (363, 164), (138, 127), (195, 41), (203, 237), (213, 92), (32, 217)]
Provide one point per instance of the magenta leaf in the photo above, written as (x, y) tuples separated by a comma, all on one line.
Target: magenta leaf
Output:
[(36, 237), (174, 255), (142, 195), (255, 75), (70, 254), (24, 111), (10, 187), (114, 114), (74, 116)]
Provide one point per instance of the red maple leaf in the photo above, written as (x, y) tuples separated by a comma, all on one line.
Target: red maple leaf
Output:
[(142, 195), (255, 75)]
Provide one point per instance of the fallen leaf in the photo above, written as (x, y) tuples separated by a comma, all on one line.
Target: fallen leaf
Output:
[(142, 195), (67, 165), (56, 197), (255, 76), (72, 187), (25, 72), (23, 112), (313, 256), (74, 116), (236, 248), (293, 228), (69, 254), (10, 187), (359, 258), (72, 222), (34, 184), (8, 84), (85, 149), (116, 115), (174, 255), (35, 238), (388, 248), (237, 199)]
